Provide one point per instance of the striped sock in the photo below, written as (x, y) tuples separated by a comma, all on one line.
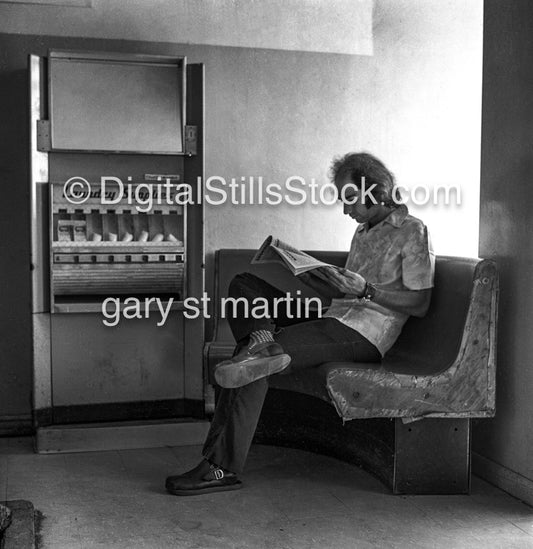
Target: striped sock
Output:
[(260, 336)]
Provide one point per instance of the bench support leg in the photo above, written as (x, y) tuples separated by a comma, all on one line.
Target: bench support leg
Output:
[(432, 456)]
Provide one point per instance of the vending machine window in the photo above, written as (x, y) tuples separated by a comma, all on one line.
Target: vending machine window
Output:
[(99, 251)]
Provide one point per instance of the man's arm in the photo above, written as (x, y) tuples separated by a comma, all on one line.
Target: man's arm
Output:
[(409, 302)]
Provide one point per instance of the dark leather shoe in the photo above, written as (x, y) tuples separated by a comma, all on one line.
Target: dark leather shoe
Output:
[(251, 364), (203, 479)]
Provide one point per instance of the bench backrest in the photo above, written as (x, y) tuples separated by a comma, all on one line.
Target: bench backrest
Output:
[(426, 345)]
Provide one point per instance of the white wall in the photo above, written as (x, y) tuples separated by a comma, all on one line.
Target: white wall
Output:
[(416, 103), (334, 26)]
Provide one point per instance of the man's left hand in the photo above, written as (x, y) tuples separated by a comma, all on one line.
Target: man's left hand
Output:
[(344, 280)]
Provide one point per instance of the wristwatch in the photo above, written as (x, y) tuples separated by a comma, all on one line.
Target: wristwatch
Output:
[(369, 292)]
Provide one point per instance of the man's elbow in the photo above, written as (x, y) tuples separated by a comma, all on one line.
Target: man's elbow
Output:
[(422, 307), (420, 312)]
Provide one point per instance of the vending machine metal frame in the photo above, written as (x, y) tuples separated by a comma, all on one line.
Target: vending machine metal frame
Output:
[(52, 325)]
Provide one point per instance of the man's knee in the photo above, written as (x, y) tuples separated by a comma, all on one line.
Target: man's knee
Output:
[(241, 284)]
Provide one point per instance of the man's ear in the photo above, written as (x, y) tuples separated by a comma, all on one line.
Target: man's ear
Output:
[(381, 197)]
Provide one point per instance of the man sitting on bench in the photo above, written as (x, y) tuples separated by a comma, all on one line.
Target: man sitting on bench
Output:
[(388, 276)]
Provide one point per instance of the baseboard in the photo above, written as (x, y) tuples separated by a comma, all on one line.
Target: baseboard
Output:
[(123, 435), (16, 426), (514, 483), (120, 411)]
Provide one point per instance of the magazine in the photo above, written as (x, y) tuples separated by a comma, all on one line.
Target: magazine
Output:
[(273, 250)]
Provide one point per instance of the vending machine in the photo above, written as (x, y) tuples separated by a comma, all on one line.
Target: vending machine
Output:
[(115, 138)]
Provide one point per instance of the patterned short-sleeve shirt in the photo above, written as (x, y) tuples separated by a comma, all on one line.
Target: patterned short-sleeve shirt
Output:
[(395, 254)]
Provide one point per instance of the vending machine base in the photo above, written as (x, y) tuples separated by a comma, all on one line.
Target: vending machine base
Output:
[(123, 435)]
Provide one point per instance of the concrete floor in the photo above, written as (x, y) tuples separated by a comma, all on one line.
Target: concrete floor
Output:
[(291, 499)]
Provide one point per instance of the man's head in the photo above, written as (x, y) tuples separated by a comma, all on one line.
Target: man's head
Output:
[(365, 186)]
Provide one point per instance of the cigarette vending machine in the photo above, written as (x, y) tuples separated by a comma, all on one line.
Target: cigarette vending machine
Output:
[(114, 137)]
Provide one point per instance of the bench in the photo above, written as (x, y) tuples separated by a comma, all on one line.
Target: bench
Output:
[(413, 410)]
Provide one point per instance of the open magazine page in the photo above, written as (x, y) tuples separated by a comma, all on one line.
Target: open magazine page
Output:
[(298, 262), (274, 250)]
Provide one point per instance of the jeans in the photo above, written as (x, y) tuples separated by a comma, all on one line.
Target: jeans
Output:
[(308, 341)]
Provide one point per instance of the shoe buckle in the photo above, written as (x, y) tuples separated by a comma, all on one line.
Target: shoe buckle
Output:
[(219, 474)]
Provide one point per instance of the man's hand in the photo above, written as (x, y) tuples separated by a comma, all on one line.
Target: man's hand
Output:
[(343, 280)]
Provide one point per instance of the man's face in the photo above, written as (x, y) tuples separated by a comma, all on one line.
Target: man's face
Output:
[(352, 201)]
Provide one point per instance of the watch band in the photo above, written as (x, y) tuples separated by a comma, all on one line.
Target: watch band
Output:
[(369, 293)]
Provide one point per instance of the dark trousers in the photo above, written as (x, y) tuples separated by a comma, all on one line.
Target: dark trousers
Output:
[(309, 342)]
